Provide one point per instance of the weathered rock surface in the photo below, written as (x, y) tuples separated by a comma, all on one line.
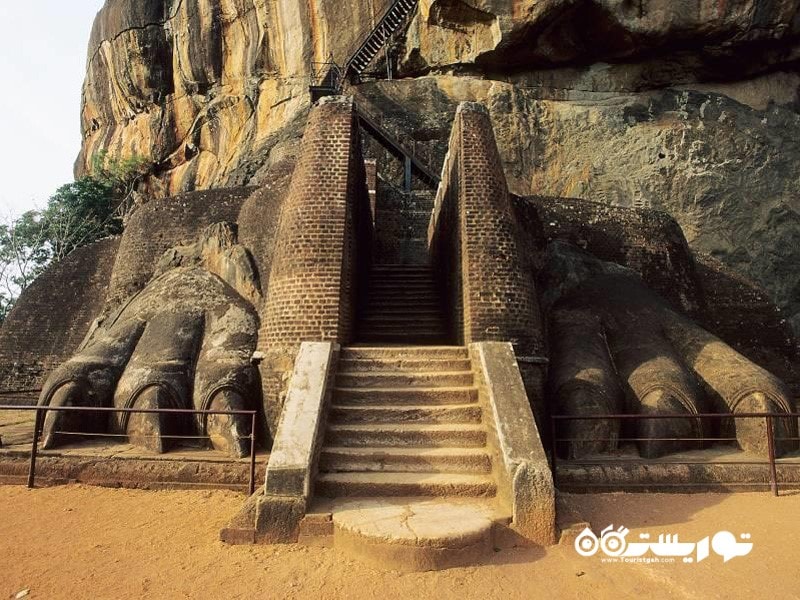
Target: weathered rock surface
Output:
[(722, 159), (522, 34), (690, 106)]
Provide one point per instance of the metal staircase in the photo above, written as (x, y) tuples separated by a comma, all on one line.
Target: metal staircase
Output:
[(390, 23), (412, 164), (329, 78)]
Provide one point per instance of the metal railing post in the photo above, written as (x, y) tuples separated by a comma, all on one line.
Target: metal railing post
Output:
[(553, 449), (773, 472), (37, 427), (252, 487)]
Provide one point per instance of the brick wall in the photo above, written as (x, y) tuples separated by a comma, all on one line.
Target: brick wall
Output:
[(162, 224), (401, 225), (51, 318), (741, 313), (475, 238), (322, 247), (648, 241)]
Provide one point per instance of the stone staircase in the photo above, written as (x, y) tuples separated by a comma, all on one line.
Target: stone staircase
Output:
[(402, 306), (405, 422), (405, 473), (401, 226)]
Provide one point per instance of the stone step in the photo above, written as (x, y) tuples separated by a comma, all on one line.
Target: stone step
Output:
[(411, 294), (335, 485), (433, 460), (400, 435), (455, 413), (404, 353), (414, 365), (394, 379), (405, 292), (418, 396), (407, 274), (401, 278), (400, 331), (403, 285), (392, 324), (417, 534), (409, 285), (408, 317), (420, 338), (421, 295), (392, 305), (392, 270), (390, 301), (402, 313), (397, 278)]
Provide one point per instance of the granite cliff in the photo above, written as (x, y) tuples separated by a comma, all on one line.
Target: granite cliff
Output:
[(690, 106)]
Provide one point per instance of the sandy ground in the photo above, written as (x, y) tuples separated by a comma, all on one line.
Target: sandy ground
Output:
[(83, 542)]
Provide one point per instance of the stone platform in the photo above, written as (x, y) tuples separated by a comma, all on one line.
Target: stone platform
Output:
[(717, 469), (408, 534), (105, 462)]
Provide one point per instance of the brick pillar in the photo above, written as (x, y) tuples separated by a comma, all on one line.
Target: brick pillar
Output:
[(499, 295), (313, 280)]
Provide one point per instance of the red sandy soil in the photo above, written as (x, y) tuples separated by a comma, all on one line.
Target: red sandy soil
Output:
[(84, 542)]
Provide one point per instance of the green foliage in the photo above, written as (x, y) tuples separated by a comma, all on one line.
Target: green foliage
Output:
[(77, 214), (121, 174)]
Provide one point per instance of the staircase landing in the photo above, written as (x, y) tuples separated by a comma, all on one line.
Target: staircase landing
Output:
[(402, 306), (405, 474), (411, 534)]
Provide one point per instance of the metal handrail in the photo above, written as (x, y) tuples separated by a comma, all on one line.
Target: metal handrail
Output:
[(769, 418), (674, 416), (327, 74), (393, 144), (40, 410), (382, 22)]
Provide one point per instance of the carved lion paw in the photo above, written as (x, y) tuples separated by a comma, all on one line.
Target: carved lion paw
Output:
[(184, 342), (617, 347)]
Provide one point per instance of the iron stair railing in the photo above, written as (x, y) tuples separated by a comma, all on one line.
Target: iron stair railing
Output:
[(390, 23), (412, 164), (329, 79)]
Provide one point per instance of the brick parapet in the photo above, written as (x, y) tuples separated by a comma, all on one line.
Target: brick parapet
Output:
[(476, 243), (322, 248), (312, 267)]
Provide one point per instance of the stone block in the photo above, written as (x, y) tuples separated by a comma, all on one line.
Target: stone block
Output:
[(278, 519), (525, 477), (293, 455)]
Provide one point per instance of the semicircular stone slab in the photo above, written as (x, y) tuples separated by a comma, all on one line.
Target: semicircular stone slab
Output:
[(415, 534)]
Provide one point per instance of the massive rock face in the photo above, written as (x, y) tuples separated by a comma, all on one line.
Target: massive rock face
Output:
[(690, 106), (526, 34)]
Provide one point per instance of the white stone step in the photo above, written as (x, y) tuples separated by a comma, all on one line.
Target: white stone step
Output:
[(398, 379), (337, 485), (404, 435), (405, 395), (413, 365), (419, 415), (416, 534), (405, 352), (439, 460)]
